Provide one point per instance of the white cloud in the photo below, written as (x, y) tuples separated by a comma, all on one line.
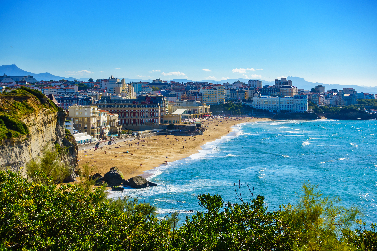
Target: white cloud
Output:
[(214, 78), (117, 68), (173, 73), (252, 76), (155, 71), (211, 78), (78, 73), (140, 76), (101, 71), (242, 70), (206, 70)]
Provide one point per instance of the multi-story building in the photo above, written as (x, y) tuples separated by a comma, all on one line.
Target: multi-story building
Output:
[(238, 84), (57, 90), (85, 119), (93, 121), (298, 103), (66, 101), (214, 94), (194, 109), (137, 86), (209, 95), (220, 94), (365, 96), (135, 113), (320, 89), (114, 86), (250, 93), (255, 83), (288, 91), (283, 81), (270, 90)]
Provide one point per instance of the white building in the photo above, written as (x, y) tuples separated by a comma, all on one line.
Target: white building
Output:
[(29, 79), (297, 103)]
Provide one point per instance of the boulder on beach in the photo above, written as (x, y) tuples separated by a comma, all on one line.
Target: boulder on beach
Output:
[(96, 176), (98, 179), (114, 177), (138, 182)]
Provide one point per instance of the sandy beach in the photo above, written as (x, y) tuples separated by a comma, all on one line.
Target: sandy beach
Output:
[(133, 157)]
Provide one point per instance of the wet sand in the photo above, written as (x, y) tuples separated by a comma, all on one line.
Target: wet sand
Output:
[(136, 156)]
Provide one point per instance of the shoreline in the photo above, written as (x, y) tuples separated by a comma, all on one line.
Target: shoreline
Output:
[(233, 133), (135, 157)]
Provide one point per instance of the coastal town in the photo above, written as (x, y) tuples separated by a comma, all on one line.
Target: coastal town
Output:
[(106, 108), (188, 125)]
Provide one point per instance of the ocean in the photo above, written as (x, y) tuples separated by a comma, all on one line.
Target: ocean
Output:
[(273, 159)]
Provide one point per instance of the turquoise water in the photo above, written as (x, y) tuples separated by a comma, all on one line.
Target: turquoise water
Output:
[(275, 159)]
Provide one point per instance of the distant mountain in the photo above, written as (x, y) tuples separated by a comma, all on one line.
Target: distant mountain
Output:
[(13, 70), (301, 83)]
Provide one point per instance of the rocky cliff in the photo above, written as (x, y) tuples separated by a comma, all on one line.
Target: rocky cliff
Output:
[(30, 124)]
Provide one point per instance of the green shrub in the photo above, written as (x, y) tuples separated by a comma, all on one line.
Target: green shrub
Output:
[(14, 124), (49, 166), (36, 216), (67, 131)]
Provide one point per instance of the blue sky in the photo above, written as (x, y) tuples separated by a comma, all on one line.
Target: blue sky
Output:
[(332, 42)]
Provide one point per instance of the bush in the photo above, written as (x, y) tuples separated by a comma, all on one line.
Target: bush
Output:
[(48, 167), (67, 132), (14, 124), (35, 216)]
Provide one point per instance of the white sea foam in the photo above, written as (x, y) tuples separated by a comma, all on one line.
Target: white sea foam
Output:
[(354, 145), (170, 211), (292, 132), (306, 143), (231, 155)]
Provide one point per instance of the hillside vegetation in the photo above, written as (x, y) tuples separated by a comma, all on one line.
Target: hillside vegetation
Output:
[(15, 106)]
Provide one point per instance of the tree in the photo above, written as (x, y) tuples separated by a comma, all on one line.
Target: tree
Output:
[(90, 80)]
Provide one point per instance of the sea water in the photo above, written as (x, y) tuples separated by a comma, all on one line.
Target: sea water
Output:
[(273, 159)]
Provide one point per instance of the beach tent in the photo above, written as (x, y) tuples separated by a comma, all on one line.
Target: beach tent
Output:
[(82, 138)]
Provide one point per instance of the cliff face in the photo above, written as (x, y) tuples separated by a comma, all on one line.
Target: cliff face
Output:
[(46, 131)]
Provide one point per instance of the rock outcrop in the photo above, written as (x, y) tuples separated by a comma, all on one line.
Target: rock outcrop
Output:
[(138, 182), (45, 131), (114, 177)]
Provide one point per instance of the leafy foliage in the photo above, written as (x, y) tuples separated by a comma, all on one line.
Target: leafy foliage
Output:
[(316, 223), (48, 167), (11, 127), (371, 103), (35, 216)]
